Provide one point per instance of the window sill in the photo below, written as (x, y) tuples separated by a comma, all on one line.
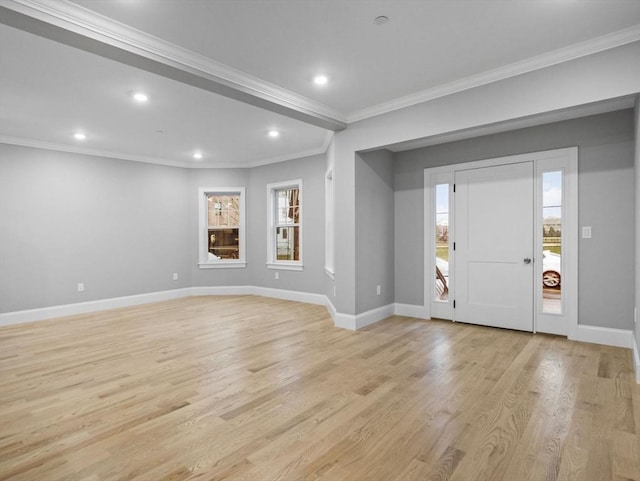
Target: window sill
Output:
[(330, 273), (222, 265), (285, 267)]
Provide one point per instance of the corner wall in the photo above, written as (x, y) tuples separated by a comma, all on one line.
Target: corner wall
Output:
[(605, 183), (375, 231), (607, 75), (117, 226), (123, 228), (311, 171)]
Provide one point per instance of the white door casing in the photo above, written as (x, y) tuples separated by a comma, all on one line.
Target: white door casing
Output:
[(566, 160)]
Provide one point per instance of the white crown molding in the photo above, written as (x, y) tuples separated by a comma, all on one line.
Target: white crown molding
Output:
[(283, 158), (86, 23), (572, 52), (74, 149), (596, 108)]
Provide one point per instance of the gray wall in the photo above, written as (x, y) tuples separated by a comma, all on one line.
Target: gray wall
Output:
[(123, 228), (606, 202), (311, 171), (117, 226), (374, 207)]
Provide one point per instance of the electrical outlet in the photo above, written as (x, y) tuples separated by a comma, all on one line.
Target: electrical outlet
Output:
[(175, 276), (80, 286), (276, 275), (334, 291), (378, 290), (586, 232)]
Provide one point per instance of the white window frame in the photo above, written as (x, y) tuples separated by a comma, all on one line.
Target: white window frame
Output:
[(272, 258), (440, 309), (203, 229)]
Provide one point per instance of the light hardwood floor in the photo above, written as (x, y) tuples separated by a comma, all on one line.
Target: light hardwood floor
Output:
[(257, 389)]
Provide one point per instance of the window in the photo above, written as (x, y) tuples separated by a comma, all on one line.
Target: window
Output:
[(284, 235), (222, 232), (441, 230)]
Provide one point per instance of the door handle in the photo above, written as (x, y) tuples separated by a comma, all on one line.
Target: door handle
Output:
[(527, 260)]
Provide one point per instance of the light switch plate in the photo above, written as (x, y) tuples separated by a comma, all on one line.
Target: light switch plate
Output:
[(586, 232)]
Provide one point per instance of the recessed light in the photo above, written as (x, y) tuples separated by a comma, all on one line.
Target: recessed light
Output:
[(381, 20), (274, 134), (321, 80), (79, 136), (197, 155), (140, 97)]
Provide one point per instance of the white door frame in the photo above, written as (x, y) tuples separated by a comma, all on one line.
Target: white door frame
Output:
[(565, 160)]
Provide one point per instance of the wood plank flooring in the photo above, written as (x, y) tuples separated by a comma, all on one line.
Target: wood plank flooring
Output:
[(257, 389)]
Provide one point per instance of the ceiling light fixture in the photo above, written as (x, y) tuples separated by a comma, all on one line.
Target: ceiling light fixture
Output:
[(79, 136), (197, 155), (140, 97), (321, 80), (381, 20), (274, 134)]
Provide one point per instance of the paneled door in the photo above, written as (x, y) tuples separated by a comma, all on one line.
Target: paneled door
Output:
[(494, 245)]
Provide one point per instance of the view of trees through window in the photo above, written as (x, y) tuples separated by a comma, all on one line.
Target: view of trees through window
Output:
[(223, 226), (288, 224)]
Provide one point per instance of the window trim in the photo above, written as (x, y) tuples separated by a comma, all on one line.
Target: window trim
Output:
[(203, 227), (272, 259)]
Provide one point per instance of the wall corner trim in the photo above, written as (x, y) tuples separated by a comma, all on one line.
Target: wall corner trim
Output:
[(636, 359), (607, 336), (355, 322)]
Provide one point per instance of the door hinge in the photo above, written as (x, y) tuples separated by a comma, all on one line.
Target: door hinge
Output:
[(454, 188), (454, 303), (454, 246)]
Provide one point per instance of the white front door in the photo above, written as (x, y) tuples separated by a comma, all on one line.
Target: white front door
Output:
[(494, 266)]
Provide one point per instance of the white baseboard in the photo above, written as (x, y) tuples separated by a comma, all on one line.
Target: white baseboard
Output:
[(355, 322), (298, 296), (409, 310), (221, 291), (374, 315), (331, 308), (30, 315), (606, 335), (345, 321)]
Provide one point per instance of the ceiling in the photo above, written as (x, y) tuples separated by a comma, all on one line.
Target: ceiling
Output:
[(221, 74)]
